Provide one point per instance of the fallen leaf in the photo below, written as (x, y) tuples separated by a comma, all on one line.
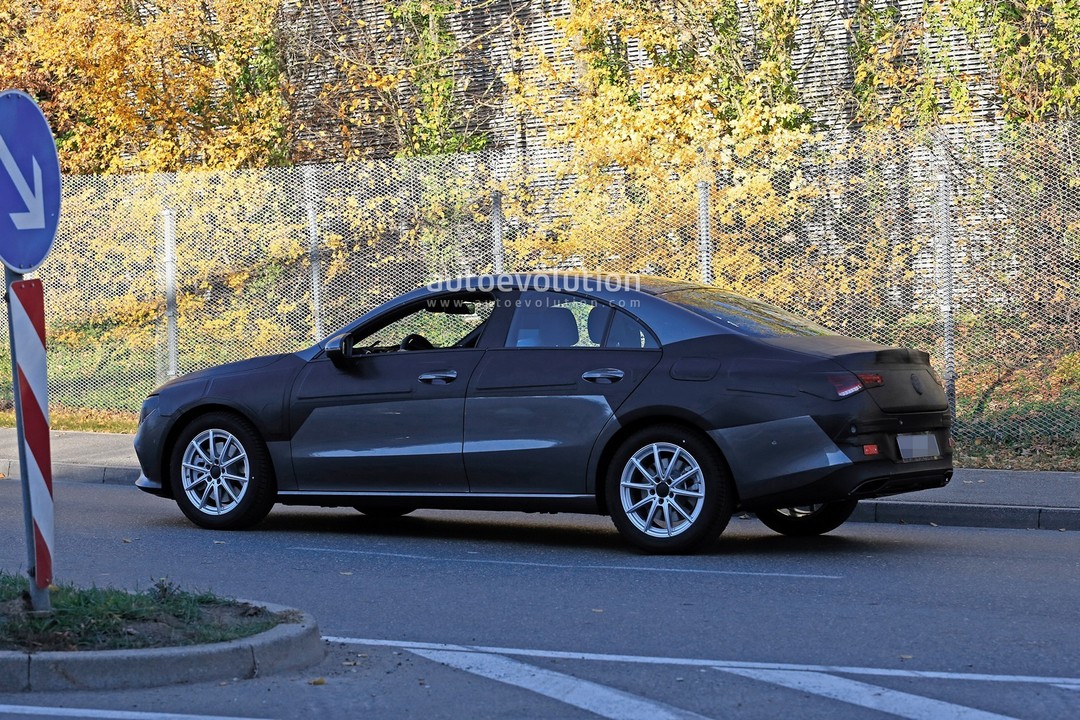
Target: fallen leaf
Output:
[(317, 681), (125, 540), (906, 657)]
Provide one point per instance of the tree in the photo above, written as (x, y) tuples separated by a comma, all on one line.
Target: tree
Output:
[(399, 77), (907, 70), (653, 98), (1035, 51), (650, 83), (151, 85)]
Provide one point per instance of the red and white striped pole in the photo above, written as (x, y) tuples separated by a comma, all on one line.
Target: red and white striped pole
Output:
[(26, 309)]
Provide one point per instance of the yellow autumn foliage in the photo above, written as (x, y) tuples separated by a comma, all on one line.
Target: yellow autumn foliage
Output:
[(150, 86)]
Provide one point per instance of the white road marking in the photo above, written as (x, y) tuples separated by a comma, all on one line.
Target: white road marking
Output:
[(32, 710), (599, 699), (556, 566), (901, 704), (718, 664)]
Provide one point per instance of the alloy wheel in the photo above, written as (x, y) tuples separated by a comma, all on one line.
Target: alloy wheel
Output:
[(662, 489), (215, 471)]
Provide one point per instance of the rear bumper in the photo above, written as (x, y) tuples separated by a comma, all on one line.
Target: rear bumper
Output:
[(862, 481), (793, 461)]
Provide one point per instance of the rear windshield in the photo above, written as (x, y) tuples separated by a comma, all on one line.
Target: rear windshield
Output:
[(743, 315)]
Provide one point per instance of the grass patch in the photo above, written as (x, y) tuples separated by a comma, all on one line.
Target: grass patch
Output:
[(81, 419), (1062, 455), (112, 619)]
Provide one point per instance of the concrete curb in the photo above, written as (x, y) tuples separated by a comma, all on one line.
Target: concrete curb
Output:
[(70, 472), (289, 646), (967, 515)]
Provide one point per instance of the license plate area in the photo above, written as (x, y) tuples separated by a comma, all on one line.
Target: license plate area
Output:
[(918, 446)]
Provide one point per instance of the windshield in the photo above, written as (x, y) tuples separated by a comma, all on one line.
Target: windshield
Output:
[(743, 315)]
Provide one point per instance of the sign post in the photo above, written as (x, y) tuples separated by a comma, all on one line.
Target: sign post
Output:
[(29, 213)]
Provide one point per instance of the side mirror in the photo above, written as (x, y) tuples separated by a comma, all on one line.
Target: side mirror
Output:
[(340, 351)]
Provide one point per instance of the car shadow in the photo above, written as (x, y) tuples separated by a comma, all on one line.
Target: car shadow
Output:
[(521, 529), (745, 537)]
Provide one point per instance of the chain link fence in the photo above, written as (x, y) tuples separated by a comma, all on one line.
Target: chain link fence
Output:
[(963, 242)]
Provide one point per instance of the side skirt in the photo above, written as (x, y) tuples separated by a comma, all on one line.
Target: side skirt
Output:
[(448, 501)]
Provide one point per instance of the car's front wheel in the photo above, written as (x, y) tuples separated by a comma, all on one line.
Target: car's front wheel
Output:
[(221, 473), (805, 520), (668, 490)]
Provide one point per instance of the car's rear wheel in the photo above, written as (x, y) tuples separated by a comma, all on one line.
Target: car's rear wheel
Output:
[(805, 520), (668, 490), (221, 473)]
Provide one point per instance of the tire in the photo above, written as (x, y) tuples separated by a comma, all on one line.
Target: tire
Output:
[(221, 474), (378, 512), (806, 520), (659, 508)]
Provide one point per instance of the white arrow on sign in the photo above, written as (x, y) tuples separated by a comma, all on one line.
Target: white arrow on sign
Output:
[(34, 217)]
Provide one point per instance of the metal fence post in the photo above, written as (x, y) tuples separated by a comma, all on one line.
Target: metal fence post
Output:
[(704, 234), (497, 231), (945, 247), (172, 351), (313, 250)]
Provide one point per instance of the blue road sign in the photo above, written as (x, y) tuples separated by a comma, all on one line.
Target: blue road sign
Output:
[(29, 183)]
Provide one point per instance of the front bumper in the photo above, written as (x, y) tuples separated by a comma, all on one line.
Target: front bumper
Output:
[(149, 442), (151, 486)]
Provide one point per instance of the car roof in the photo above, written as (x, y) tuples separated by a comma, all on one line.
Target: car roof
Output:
[(638, 294)]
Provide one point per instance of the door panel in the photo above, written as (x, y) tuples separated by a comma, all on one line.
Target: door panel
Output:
[(392, 422), (531, 418)]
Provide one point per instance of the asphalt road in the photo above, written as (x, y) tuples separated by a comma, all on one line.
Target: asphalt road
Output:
[(458, 615)]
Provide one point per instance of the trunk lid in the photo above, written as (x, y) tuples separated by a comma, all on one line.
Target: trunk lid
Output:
[(907, 381)]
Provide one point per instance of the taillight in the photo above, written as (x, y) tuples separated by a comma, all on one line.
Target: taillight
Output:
[(845, 385), (870, 380), (848, 384)]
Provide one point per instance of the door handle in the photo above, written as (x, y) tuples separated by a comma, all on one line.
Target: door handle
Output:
[(603, 376), (438, 377)]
